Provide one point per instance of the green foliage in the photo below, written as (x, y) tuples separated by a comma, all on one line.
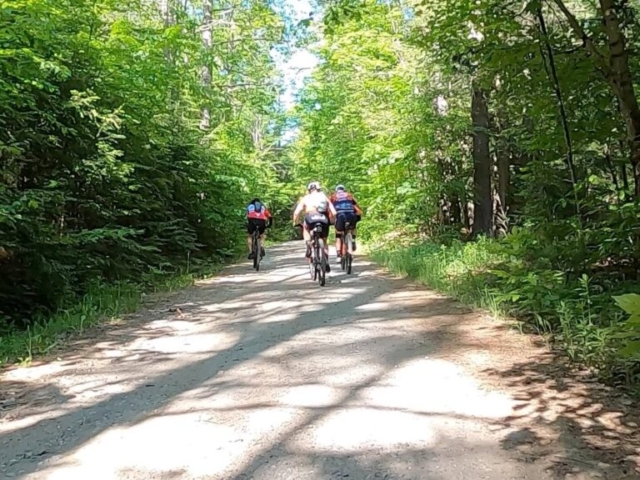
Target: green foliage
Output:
[(133, 133), (388, 113), (575, 313), (630, 303), (105, 175), (101, 302)]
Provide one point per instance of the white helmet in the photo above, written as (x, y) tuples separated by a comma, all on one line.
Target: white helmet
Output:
[(313, 186), (340, 188)]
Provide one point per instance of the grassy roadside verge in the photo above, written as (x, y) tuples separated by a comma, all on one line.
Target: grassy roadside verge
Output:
[(576, 315), (102, 303)]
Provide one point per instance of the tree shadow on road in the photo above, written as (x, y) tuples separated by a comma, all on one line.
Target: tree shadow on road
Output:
[(250, 346), (231, 316), (597, 429), (20, 394)]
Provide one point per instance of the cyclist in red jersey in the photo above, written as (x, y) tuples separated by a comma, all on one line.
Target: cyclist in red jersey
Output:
[(347, 210), (258, 218)]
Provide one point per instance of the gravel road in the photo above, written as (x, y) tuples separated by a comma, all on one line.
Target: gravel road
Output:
[(268, 376)]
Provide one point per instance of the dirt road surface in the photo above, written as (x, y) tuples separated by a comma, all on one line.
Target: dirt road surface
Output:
[(267, 376)]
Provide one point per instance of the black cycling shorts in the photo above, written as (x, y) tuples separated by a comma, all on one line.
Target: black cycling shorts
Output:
[(343, 217), (312, 219), (254, 224)]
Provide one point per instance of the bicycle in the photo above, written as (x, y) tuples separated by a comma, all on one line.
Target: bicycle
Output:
[(318, 260), (256, 248), (346, 249)]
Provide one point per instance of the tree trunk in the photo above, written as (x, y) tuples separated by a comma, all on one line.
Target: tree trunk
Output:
[(615, 66), (621, 82), (612, 168), (500, 221), (167, 10), (501, 176), (483, 201), (456, 214), (205, 118), (502, 153), (164, 10), (564, 122)]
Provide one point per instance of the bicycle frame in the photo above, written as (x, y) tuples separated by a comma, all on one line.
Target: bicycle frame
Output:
[(255, 246), (346, 248), (318, 260), (346, 261)]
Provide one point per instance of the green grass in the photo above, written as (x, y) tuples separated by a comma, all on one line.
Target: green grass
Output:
[(451, 270), (102, 303), (577, 316)]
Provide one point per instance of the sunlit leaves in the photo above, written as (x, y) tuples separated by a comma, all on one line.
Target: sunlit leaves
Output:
[(104, 173)]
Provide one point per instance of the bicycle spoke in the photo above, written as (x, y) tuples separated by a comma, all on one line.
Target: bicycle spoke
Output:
[(349, 251)]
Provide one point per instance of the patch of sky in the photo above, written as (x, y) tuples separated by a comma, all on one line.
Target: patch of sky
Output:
[(293, 59)]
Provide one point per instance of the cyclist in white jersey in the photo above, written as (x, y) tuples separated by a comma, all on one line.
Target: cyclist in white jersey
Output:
[(316, 205)]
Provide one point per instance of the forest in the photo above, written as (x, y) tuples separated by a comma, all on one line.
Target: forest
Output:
[(133, 133), (494, 147)]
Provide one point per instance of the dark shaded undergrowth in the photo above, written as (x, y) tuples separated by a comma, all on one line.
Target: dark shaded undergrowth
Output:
[(101, 303)]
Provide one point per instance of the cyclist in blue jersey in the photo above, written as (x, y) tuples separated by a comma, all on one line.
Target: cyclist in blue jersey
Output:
[(347, 210)]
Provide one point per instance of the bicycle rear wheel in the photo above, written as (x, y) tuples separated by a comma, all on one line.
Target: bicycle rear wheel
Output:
[(256, 252), (312, 259), (348, 239), (321, 265), (312, 267)]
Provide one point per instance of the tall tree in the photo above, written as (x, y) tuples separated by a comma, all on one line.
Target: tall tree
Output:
[(483, 198), (207, 25), (614, 64)]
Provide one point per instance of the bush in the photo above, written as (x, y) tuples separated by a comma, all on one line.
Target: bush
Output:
[(508, 277)]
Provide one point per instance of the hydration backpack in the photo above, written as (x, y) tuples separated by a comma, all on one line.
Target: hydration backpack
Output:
[(318, 201), (257, 206), (323, 206)]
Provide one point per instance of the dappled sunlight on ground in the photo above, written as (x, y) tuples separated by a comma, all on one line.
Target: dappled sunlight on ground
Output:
[(598, 429), (266, 376), (417, 387)]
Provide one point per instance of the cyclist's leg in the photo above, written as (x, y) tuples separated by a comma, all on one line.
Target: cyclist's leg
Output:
[(306, 234), (354, 228), (325, 237), (339, 239), (250, 228), (262, 249), (262, 227), (339, 226)]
